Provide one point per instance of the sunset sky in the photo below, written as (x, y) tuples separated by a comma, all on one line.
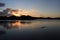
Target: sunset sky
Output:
[(46, 8)]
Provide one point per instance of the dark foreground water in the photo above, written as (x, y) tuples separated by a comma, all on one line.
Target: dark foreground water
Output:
[(29, 29)]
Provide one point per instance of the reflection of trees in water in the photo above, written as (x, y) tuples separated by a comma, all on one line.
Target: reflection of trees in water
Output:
[(14, 24), (23, 22)]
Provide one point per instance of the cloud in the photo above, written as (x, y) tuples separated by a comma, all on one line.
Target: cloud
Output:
[(2, 4), (19, 12), (31, 12)]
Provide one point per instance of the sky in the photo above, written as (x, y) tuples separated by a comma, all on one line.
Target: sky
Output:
[(45, 8)]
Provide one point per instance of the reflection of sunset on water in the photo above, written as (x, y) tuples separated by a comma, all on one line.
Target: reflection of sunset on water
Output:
[(23, 24), (17, 23)]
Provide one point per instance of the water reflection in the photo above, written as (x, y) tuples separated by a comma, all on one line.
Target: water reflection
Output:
[(2, 32), (18, 29), (14, 24), (21, 24)]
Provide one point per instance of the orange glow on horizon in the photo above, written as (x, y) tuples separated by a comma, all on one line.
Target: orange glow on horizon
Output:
[(15, 14), (19, 12)]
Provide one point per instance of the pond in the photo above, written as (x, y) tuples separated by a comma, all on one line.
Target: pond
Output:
[(29, 29)]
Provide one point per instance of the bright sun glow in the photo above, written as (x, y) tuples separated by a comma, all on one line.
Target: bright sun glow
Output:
[(19, 12)]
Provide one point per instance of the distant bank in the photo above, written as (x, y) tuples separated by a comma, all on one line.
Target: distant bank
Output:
[(23, 17)]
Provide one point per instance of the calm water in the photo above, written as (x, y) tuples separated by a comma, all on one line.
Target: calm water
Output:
[(29, 29)]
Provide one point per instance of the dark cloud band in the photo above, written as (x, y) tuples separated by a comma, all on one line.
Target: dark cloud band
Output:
[(2, 4)]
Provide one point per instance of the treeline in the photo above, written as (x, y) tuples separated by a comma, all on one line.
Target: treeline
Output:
[(23, 17)]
